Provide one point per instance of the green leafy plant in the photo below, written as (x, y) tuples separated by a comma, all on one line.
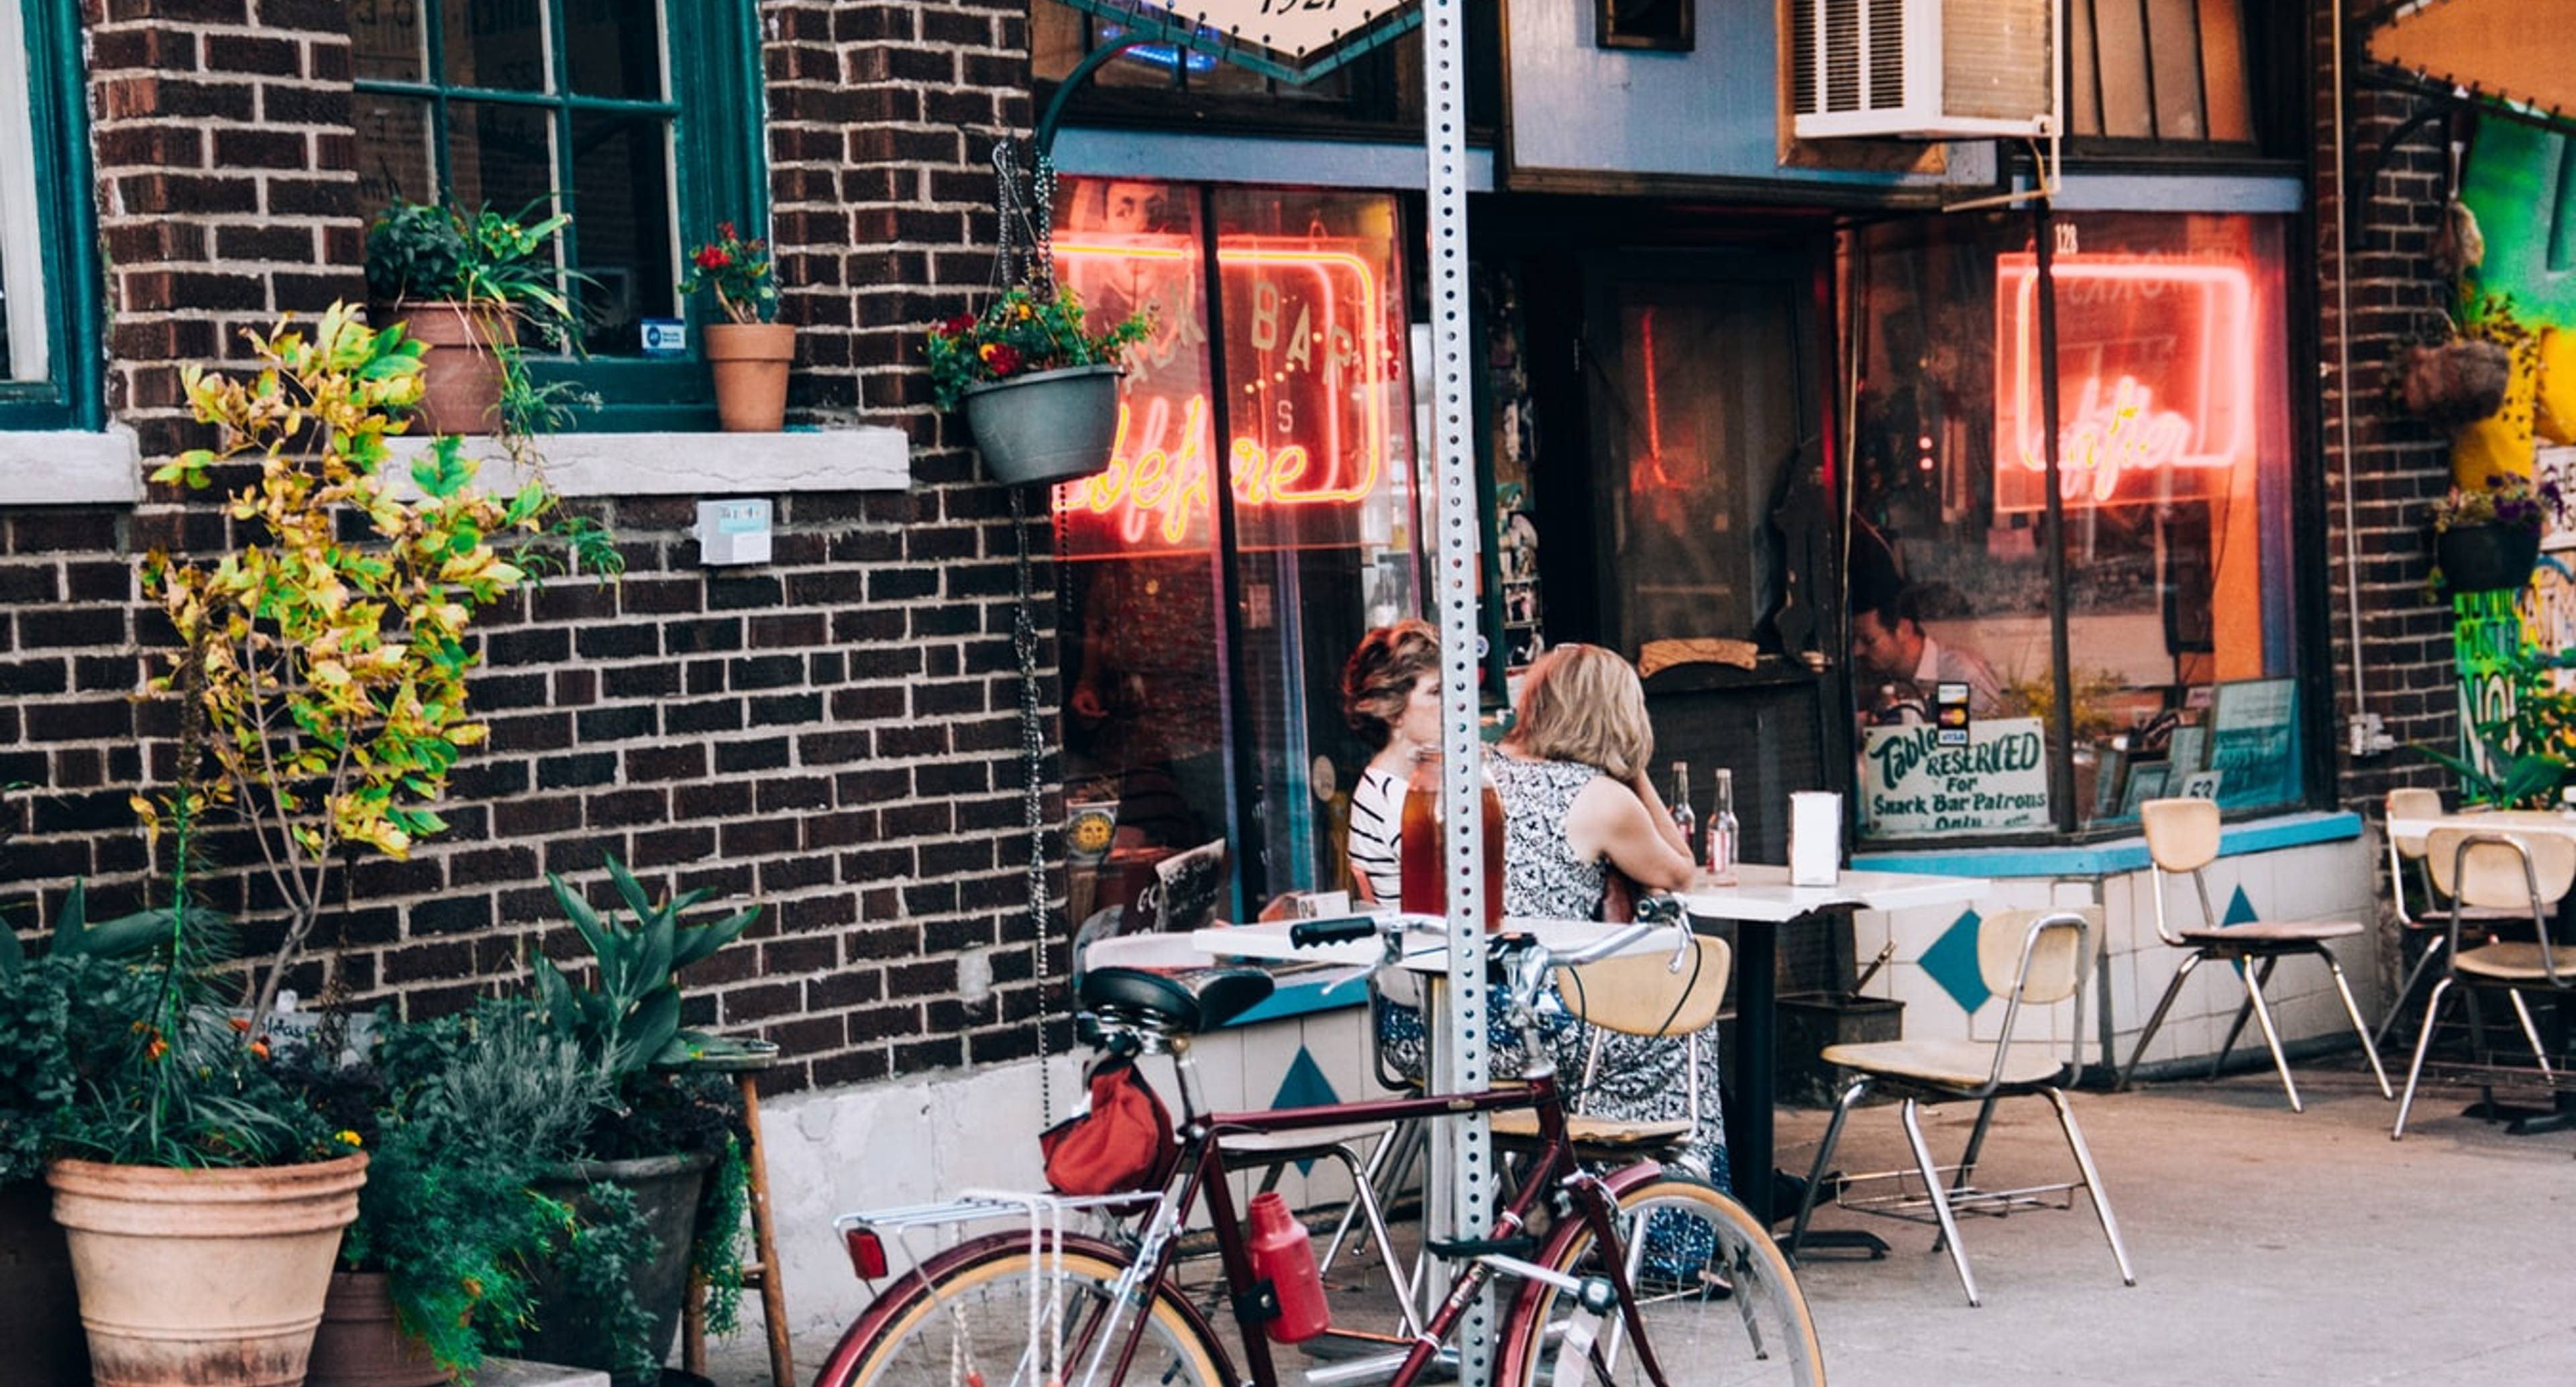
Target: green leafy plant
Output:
[(82, 968), (484, 259), (2523, 760), (329, 663), (740, 274), (631, 1017), (2504, 501), (1022, 332)]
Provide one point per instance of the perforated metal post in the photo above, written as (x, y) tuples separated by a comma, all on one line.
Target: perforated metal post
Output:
[(1463, 1181)]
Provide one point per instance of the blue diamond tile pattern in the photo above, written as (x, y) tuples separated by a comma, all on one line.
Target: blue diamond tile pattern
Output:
[(1952, 962), (1304, 1086), (2239, 910)]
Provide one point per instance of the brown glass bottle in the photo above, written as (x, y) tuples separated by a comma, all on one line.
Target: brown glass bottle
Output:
[(1425, 881)]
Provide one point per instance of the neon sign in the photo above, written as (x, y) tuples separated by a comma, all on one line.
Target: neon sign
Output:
[(1316, 381), (2156, 370)]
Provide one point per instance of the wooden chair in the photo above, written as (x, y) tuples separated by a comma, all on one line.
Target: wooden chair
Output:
[(2182, 838), (2426, 936), (1635, 995), (2527, 874)]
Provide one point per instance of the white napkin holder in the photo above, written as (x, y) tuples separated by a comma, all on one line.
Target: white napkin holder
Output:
[(1815, 837)]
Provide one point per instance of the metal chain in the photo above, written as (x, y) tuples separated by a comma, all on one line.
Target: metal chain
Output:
[(1026, 252), (1024, 644)]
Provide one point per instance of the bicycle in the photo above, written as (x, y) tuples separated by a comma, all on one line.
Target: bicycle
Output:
[(1705, 1298)]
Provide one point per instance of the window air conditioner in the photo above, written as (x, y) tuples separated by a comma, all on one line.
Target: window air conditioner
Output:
[(1924, 69)]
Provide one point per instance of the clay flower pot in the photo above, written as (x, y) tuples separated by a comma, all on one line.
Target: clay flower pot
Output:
[(461, 373), (361, 1345), (749, 361), (203, 1278), (1048, 426)]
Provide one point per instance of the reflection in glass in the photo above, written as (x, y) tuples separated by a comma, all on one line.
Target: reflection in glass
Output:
[(622, 196), (387, 40), (614, 48), (394, 151), (501, 46)]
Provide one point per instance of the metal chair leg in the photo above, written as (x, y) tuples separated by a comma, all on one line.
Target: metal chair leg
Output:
[(2423, 1042), (2244, 1009), (2172, 990), (1940, 1198), (2423, 964), (2352, 1012), (1976, 1141), (1824, 1155), (2272, 1038), (2093, 1184), (2530, 1032)]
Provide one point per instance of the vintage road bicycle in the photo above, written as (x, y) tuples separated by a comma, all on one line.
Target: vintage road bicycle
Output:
[(1638, 1276)]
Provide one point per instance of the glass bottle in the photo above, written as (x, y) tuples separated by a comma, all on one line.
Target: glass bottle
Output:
[(1684, 817), (1722, 827), (1424, 888)]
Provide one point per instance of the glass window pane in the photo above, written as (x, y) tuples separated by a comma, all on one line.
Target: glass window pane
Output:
[(6, 373), (1056, 38), (2173, 44), (2120, 55), (498, 44), (2223, 76), (614, 48), (388, 40), (394, 151), (622, 227), (2083, 85), (1146, 65), (500, 157)]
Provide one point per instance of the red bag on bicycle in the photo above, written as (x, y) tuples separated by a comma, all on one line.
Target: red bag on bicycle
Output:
[(1123, 1141)]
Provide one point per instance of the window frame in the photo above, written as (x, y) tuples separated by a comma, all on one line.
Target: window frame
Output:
[(2270, 46), (64, 271), (711, 63)]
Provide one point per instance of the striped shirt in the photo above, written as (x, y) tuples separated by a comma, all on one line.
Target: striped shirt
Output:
[(1376, 833)]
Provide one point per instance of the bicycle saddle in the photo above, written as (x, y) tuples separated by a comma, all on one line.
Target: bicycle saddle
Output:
[(1195, 999)]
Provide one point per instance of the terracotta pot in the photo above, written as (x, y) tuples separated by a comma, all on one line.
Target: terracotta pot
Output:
[(460, 374), (203, 1278), (750, 363), (361, 1345), (39, 1312), (1049, 426), (666, 1190)]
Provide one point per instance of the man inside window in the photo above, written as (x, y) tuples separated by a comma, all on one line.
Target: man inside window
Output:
[(1899, 664)]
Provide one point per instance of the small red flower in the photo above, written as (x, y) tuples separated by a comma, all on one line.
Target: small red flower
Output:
[(724, 231), (1001, 356), (959, 325), (713, 258)]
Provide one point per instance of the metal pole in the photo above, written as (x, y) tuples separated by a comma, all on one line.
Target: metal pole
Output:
[(1468, 1172), (2061, 722)]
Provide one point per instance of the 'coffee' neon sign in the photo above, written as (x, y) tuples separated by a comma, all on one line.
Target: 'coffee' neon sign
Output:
[(2156, 379), (1155, 489)]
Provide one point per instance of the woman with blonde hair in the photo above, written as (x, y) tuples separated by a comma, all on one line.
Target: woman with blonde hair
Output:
[(1577, 803)]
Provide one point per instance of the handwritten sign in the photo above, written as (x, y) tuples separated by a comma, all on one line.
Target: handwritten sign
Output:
[(1912, 786)]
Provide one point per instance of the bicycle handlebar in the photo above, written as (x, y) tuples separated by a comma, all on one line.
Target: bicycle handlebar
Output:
[(1308, 934)]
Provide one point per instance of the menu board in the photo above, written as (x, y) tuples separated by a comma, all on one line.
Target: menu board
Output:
[(1913, 786), (2254, 742)]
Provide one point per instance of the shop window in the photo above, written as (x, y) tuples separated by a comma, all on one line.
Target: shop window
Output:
[(47, 307), (639, 117), (2169, 70), (1205, 622), (2174, 481)]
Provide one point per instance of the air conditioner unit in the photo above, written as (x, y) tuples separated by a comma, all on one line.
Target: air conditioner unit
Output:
[(1924, 69)]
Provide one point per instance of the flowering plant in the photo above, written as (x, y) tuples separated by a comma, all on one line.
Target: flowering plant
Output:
[(2505, 500), (740, 273), (1021, 333)]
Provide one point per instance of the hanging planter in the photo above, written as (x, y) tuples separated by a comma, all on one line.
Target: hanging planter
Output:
[(1049, 426), (2484, 558)]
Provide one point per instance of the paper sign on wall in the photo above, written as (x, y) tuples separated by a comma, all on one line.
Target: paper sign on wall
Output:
[(1913, 786)]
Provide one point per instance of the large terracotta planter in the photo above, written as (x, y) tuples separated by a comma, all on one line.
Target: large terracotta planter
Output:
[(1050, 426), (39, 1311), (461, 373), (749, 362), (203, 1278), (666, 1190), (361, 1345)]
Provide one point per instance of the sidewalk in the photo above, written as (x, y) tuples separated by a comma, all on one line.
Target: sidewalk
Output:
[(2270, 1248)]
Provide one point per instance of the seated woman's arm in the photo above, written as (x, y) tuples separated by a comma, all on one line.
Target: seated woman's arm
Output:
[(1609, 822)]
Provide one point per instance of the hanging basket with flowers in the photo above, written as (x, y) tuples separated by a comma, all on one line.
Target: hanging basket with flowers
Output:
[(2488, 537)]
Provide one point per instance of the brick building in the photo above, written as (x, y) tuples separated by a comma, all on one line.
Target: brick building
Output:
[(835, 733)]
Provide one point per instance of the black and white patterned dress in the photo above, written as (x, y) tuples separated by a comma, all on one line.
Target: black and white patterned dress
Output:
[(1639, 1078)]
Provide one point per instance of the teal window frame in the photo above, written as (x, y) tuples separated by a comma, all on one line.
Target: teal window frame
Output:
[(711, 52), (69, 397)]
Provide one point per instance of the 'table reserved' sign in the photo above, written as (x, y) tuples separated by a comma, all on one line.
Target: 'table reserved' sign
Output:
[(1912, 786)]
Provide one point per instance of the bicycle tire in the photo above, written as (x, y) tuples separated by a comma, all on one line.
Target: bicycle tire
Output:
[(1755, 1332), (904, 1341)]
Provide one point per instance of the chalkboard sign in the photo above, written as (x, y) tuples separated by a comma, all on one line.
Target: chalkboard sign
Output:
[(1912, 785), (2254, 742)]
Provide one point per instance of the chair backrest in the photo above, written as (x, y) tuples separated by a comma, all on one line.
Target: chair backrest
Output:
[(2412, 802), (1639, 994), (2182, 837), (2038, 956), (2500, 871)]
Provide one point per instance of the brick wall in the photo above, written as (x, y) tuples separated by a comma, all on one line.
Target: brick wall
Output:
[(834, 733)]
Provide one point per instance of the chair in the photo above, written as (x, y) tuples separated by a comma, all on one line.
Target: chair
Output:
[(1635, 995), (2527, 874), (2182, 837), (2430, 931), (2028, 959)]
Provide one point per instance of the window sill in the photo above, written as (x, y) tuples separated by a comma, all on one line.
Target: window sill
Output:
[(70, 468), (2116, 855), (867, 457)]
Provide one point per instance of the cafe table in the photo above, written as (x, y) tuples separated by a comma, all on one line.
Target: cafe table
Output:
[(1761, 902)]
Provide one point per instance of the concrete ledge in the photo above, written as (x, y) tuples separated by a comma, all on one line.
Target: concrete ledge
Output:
[(70, 468), (868, 457), (2113, 855)]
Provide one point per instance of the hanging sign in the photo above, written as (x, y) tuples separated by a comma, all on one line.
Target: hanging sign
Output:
[(1295, 41), (1914, 785)]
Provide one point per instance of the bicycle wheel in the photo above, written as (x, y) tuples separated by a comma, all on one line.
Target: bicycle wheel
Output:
[(970, 1325), (1721, 1306)]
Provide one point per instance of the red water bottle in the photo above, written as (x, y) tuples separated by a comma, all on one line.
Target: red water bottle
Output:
[(1284, 1256)]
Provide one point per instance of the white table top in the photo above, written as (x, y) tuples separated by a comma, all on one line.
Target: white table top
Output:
[(1426, 950), (2490, 821), (1763, 893)]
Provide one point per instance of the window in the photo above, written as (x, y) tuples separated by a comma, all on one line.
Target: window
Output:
[(640, 117), (1181, 726), (2168, 70), (2176, 489), (48, 308)]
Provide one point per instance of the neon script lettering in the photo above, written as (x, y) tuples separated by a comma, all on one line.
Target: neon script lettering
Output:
[(2110, 437), (1159, 489)]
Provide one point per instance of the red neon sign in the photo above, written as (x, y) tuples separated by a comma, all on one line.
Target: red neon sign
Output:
[(1315, 377), (2156, 378)]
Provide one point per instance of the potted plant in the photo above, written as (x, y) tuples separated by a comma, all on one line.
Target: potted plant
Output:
[(1038, 386), (614, 1302), (2489, 537), (748, 352), (467, 283), (463, 1114)]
